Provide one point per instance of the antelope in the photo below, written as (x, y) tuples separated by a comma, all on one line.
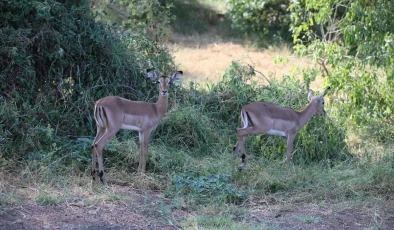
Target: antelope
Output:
[(113, 113), (263, 117)]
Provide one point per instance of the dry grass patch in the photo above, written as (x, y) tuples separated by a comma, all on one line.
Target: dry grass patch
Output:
[(204, 58)]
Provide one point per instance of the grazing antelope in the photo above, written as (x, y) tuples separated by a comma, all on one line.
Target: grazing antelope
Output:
[(262, 117), (114, 113)]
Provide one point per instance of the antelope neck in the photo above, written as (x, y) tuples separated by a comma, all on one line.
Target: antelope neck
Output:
[(162, 103), (306, 114)]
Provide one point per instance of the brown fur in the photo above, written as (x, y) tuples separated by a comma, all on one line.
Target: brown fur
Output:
[(264, 117), (117, 113)]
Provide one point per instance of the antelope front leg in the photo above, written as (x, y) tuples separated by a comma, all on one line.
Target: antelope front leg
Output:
[(289, 156), (144, 139), (142, 147)]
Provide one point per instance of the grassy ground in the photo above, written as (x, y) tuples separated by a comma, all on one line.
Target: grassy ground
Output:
[(347, 196)]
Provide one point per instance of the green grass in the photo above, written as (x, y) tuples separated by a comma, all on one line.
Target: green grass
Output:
[(214, 216), (313, 182), (351, 185), (46, 197)]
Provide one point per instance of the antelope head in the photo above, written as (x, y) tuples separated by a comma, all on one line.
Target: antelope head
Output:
[(317, 101), (164, 81)]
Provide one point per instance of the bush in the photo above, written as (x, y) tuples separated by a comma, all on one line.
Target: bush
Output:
[(57, 60), (321, 138), (191, 16), (354, 56), (235, 89), (267, 19), (188, 129)]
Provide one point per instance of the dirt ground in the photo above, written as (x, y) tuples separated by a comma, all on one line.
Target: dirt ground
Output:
[(138, 211), (148, 210)]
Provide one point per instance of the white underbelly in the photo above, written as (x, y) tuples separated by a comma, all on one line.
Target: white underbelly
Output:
[(130, 127), (277, 133)]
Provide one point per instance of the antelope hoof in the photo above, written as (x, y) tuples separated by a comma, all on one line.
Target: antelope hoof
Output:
[(242, 166), (93, 175), (102, 178)]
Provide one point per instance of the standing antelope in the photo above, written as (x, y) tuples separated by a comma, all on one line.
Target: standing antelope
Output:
[(114, 113), (262, 117)]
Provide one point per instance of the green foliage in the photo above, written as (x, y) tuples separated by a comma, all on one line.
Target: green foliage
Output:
[(269, 19), (148, 16), (187, 128), (353, 49), (226, 98), (155, 17), (206, 187), (191, 16), (320, 139), (149, 20), (53, 69)]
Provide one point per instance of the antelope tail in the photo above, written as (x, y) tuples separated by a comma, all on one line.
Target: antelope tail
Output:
[(245, 119), (100, 116)]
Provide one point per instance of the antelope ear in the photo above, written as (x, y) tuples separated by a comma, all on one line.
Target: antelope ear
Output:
[(310, 94), (177, 75), (152, 75), (325, 92)]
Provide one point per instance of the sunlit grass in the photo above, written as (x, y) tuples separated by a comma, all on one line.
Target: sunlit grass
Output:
[(204, 59)]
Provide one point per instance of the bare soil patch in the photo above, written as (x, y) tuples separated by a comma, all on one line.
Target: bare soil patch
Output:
[(152, 210), (141, 210), (342, 215)]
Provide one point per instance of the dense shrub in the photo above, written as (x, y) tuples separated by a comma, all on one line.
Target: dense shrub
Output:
[(188, 128), (353, 50), (191, 16), (206, 119), (268, 20), (55, 61), (321, 138)]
